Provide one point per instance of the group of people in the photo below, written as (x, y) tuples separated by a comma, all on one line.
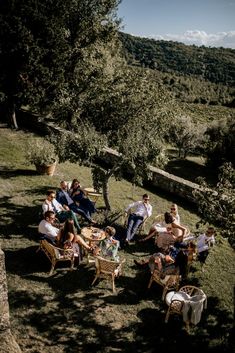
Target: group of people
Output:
[(172, 251), (65, 205)]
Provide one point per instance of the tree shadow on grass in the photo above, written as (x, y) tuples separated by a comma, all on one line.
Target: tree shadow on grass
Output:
[(8, 173), (25, 261), (21, 219), (212, 334), (77, 323), (71, 313)]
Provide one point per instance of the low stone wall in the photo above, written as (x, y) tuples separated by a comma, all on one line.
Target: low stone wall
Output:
[(161, 179), (7, 341), (173, 184)]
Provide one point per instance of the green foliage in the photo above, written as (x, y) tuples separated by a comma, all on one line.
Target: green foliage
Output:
[(221, 145), (81, 147), (187, 136), (212, 64), (218, 206), (193, 74), (41, 43), (40, 152)]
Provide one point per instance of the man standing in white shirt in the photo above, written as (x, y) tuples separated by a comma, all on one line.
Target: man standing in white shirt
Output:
[(204, 242), (143, 210)]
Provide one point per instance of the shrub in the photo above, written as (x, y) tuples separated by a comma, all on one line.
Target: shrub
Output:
[(41, 152)]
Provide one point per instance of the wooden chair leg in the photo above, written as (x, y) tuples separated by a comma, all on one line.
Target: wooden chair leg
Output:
[(96, 277), (187, 325), (72, 265), (52, 268), (113, 284), (167, 315), (150, 282), (165, 289)]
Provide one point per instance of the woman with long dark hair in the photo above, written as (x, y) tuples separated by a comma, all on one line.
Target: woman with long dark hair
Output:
[(69, 237), (80, 198)]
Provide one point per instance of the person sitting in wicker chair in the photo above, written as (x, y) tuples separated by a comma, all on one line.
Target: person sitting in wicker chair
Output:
[(169, 263), (183, 254), (61, 212), (109, 246), (60, 237), (158, 261), (69, 238)]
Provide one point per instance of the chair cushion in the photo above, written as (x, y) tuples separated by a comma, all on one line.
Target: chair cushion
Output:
[(176, 296)]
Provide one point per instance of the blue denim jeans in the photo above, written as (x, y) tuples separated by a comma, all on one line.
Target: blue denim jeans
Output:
[(134, 221)]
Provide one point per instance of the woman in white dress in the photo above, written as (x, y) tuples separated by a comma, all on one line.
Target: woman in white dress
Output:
[(175, 213)]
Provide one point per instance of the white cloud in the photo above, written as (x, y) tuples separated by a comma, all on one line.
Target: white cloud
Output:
[(197, 37)]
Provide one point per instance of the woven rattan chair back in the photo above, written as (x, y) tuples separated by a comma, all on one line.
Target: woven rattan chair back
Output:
[(56, 254), (170, 282), (108, 269)]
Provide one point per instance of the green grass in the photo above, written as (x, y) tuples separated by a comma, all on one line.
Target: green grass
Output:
[(189, 168), (63, 313)]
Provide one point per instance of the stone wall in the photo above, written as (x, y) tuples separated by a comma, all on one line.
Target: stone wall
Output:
[(7, 341), (161, 179)]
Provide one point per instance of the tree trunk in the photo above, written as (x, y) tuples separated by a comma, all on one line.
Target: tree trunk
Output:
[(133, 190), (105, 189), (11, 115)]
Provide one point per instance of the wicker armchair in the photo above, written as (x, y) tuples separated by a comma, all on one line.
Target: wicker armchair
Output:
[(170, 282), (176, 302), (108, 269), (56, 254)]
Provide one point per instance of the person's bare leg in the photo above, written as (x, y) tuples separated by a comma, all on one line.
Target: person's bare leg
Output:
[(142, 262), (78, 239), (151, 233)]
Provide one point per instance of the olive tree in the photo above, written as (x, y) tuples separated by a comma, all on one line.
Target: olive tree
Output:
[(217, 205), (186, 135), (41, 43)]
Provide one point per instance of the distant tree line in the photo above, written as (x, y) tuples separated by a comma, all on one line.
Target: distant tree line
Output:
[(195, 74)]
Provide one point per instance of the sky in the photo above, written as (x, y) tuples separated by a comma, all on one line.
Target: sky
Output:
[(200, 22)]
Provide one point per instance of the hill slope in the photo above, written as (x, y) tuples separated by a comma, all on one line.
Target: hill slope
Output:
[(195, 74)]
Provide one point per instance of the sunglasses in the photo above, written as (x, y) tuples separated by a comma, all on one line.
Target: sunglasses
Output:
[(173, 209)]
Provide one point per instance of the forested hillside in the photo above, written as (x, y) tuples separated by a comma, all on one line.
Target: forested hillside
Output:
[(193, 74)]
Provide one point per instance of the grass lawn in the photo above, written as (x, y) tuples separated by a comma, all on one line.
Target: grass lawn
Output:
[(63, 313)]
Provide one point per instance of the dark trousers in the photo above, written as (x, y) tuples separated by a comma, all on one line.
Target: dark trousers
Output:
[(85, 214), (202, 256)]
